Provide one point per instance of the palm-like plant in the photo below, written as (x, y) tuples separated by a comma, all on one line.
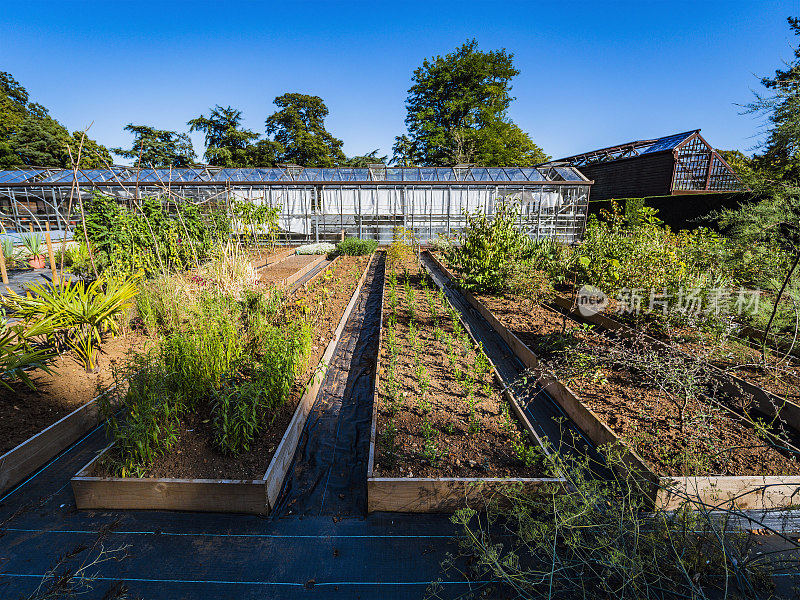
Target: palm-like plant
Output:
[(81, 313), (17, 355), (8, 251), (33, 244)]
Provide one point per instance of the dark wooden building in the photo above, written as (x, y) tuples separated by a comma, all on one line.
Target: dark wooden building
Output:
[(683, 163)]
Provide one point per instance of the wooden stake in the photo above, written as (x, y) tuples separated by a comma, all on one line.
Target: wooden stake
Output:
[(50, 253), (3, 269)]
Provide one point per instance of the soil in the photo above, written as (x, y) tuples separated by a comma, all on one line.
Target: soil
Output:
[(781, 376), (24, 412), (194, 457), (291, 265), (717, 442), (459, 444), (260, 256)]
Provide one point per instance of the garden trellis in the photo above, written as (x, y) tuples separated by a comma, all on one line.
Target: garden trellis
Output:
[(316, 203)]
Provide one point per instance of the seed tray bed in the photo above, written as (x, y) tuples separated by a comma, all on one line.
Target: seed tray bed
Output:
[(668, 492), (459, 464), (255, 496), (289, 270)]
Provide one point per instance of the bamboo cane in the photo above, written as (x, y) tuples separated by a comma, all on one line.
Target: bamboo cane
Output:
[(50, 253)]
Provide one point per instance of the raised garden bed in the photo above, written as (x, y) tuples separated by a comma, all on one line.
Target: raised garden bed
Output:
[(193, 475), (36, 425), (444, 432), (289, 270), (613, 405)]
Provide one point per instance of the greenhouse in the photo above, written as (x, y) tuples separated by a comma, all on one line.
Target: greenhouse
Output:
[(316, 203)]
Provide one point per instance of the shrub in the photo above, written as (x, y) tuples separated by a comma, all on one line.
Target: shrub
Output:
[(597, 538), (486, 247), (151, 423), (149, 238), (204, 352), (354, 246)]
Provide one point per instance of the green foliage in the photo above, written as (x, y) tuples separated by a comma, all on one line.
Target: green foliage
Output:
[(81, 314), (32, 242), (364, 161), (298, 129), (228, 145), (150, 425), (18, 354), (231, 362), (29, 136), (457, 113), (158, 148), (206, 350), (781, 106), (486, 248), (354, 246), (149, 238), (257, 218), (597, 538)]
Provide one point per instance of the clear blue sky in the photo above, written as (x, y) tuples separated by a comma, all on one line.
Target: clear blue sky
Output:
[(592, 73)]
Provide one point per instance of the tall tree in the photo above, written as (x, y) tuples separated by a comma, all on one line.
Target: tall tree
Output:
[(227, 143), (299, 129), (781, 106), (29, 136), (457, 112), (158, 148)]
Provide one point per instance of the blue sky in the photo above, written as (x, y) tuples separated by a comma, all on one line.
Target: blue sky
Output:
[(592, 73)]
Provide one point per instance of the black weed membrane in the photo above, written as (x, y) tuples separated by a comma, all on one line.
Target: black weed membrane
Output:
[(329, 473)]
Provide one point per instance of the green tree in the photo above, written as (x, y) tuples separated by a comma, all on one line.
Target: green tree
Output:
[(781, 106), (227, 143), (29, 136), (158, 148), (364, 160), (41, 142), (299, 129), (457, 112)]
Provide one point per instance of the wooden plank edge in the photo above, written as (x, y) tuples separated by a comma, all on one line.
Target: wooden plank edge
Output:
[(287, 281), (28, 456), (199, 495), (284, 454), (447, 494)]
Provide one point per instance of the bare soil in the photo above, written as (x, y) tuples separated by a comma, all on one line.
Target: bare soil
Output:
[(24, 412), (260, 256), (459, 442), (276, 273), (194, 457), (717, 443)]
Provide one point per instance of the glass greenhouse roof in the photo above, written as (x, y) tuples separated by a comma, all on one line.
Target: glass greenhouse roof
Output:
[(216, 175)]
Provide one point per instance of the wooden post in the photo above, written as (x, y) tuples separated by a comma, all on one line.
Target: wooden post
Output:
[(3, 268), (50, 253)]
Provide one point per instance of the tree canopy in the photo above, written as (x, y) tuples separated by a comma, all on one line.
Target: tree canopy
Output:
[(29, 136), (781, 106), (158, 148), (230, 145), (457, 113), (299, 130)]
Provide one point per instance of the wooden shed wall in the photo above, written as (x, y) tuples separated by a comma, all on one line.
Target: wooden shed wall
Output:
[(636, 177)]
